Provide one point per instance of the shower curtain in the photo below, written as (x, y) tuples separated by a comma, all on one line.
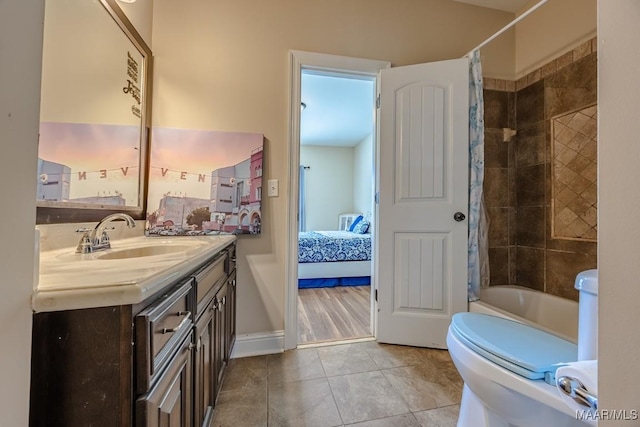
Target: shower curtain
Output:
[(478, 275), (302, 220)]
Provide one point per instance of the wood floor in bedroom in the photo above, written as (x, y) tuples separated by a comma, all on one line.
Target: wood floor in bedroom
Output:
[(332, 314)]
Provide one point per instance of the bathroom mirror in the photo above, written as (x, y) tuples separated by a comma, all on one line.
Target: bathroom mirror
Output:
[(574, 180), (92, 153)]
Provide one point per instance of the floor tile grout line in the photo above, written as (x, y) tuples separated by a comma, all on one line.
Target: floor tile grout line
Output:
[(267, 385), (326, 378), (384, 418), (397, 392), (335, 402)]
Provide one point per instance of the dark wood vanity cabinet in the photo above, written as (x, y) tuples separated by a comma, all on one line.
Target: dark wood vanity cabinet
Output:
[(210, 284), (82, 370), (220, 358), (169, 403), (204, 378), (159, 363), (231, 313)]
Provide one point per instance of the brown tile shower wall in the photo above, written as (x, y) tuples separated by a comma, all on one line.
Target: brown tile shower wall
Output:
[(518, 173), (499, 187)]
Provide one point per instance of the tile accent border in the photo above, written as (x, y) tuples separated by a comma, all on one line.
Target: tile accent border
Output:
[(568, 58), (574, 176)]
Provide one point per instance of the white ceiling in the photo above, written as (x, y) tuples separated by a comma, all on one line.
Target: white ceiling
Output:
[(506, 5), (339, 112)]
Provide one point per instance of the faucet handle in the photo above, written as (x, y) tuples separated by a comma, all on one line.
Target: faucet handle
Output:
[(84, 245), (104, 239)]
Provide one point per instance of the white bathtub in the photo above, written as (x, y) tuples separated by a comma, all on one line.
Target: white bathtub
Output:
[(550, 313)]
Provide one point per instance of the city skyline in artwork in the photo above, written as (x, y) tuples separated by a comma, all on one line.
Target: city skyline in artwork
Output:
[(203, 182)]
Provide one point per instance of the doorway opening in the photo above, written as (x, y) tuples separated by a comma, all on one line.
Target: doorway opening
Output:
[(333, 150), (337, 178)]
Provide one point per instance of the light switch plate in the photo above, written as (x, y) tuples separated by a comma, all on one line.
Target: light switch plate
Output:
[(272, 190)]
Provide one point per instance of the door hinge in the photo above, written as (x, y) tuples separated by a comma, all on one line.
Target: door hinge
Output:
[(376, 295), (378, 101), (377, 198)]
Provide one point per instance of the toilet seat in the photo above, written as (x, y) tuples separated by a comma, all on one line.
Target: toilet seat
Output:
[(519, 348)]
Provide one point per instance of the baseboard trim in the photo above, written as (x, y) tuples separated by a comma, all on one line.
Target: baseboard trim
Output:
[(258, 344)]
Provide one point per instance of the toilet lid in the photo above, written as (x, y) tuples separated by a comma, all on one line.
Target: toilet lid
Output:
[(520, 348)]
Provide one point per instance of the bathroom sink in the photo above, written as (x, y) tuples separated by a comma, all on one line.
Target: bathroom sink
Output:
[(134, 248), (132, 270), (142, 251)]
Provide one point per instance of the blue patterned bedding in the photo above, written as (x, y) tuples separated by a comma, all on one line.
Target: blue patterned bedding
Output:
[(331, 246)]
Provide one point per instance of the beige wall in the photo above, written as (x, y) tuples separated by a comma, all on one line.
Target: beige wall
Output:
[(223, 65), (20, 65), (363, 171), (555, 28), (83, 77), (618, 205), (329, 184), (140, 13)]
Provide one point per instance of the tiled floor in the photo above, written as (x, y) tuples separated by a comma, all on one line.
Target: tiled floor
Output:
[(361, 384)]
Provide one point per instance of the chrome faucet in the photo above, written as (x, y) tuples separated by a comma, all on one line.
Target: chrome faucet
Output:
[(98, 239)]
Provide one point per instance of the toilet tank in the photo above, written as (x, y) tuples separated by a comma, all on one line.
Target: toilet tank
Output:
[(587, 284)]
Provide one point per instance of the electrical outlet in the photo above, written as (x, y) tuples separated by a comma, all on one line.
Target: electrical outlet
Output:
[(272, 188)]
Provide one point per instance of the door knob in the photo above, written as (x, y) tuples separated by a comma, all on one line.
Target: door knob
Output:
[(459, 216)]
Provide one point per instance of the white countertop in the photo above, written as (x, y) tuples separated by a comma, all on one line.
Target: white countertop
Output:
[(70, 281)]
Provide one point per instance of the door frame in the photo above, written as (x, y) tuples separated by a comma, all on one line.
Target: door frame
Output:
[(298, 61)]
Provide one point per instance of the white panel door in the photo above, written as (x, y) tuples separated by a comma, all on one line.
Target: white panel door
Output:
[(421, 269)]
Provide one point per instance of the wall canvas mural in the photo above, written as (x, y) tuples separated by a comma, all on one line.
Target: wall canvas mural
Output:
[(204, 182)]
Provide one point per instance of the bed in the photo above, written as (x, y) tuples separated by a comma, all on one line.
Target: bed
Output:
[(333, 258)]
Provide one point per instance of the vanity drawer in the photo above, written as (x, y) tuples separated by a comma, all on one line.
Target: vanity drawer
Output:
[(207, 280), (159, 330)]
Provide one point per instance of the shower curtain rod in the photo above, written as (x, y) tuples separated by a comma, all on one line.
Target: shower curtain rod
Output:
[(508, 26)]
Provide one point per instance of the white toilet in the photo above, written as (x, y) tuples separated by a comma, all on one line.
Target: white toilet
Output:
[(504, 364)]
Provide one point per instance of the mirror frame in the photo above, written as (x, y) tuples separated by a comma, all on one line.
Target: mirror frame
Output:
[(61, 212)]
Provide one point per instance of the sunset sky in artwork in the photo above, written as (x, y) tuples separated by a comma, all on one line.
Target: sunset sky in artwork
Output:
[(195, 152), (91, 148), (182, 153)]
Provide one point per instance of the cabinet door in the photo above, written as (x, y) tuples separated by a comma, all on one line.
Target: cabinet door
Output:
[(231, 314), (169, 403), (204, 378), (220, 341)]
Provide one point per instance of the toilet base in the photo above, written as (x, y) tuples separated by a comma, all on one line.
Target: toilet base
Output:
[(474, 413)]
